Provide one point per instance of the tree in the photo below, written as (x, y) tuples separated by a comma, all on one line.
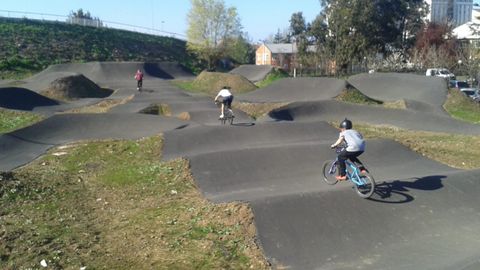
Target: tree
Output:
[(298, 29), (211, 28), (241, 51), (436, 47), (361, 28)]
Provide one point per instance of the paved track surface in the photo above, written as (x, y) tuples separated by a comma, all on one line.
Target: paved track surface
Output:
[(253, 73), (336, 111), (424, 215), (420, 92), (297, 89)]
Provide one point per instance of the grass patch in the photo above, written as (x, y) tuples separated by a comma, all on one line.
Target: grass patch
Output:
[(353, 95), (101, 107), (114, 205), (11, 120), (257, 110), (462, 107), (450, 149), (184, 84), (276, 74)]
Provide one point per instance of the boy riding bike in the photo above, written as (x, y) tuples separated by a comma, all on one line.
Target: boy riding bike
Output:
[(355, 146), (227, 99)]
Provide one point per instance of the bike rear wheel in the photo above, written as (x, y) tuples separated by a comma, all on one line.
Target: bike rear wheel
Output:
[(329, 172), (367, 188)]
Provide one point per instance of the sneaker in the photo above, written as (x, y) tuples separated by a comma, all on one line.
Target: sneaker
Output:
[(221, 116), (341, 178)]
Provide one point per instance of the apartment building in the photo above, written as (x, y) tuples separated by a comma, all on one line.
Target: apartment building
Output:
[(456, 12)]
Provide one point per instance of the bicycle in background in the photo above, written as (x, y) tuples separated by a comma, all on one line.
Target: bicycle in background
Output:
[(227, 115)]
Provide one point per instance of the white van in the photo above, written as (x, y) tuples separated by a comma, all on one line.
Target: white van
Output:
[(440, 72)]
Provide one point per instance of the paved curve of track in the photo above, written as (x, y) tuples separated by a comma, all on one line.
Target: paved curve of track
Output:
[(424, 215)]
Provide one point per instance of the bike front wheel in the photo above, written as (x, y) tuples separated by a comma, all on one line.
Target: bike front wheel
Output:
[(367, 186), (329, 171)]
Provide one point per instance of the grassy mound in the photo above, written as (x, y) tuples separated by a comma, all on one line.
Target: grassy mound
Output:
[(115, 205), (276, 74), (353, 95), (28, 46), (211, 82), (462, 107), (449, 149), (11, 120), (74, 87)]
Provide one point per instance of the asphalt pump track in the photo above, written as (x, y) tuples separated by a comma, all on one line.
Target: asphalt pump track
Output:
[(423, 215)]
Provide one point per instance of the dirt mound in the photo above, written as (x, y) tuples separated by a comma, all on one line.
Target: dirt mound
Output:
[(74, 87), (212, 82)]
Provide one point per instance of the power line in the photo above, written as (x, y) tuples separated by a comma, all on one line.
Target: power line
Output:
[(130, 27)]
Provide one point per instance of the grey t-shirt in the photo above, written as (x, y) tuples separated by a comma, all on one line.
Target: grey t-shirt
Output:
[(354, 140)]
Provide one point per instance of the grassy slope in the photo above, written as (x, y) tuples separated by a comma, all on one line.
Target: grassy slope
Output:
[(28, 46), (114, 205), (450, 149), (462, 107), (276, 74), (11, 120)]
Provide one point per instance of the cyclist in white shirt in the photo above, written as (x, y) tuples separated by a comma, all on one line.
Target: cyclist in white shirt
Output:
[(355, 146), (227, 99)]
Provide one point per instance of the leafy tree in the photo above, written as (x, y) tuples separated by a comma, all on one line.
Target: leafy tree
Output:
[(359, 28), (298, 29), (297, 24), (241, 51), (436, 47), (212, 27), (318, 34)]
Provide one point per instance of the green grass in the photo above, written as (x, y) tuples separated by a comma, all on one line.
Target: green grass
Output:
[(450, 149), (273, 76), (352, 95), (11, 120), (28, 46), (115, 205), (462, 107)]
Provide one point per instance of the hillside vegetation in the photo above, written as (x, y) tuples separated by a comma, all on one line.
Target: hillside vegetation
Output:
[(28, 46)]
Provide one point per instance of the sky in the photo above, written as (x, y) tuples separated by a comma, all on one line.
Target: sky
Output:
[(259, 18)]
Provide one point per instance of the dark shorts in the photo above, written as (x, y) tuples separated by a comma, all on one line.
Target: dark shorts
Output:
[(227, 101)]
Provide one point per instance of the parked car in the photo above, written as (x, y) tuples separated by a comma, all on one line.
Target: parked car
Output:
[(471, 93), (458, 84), (440, 72)]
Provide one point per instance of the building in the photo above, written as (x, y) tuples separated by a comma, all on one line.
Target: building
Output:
[(281, 55), (456, 12), (278, 55)]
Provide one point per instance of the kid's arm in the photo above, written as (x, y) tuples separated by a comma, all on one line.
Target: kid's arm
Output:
[(339, 141)]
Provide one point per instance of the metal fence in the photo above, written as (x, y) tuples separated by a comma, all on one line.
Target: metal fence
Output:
[(88, 22)]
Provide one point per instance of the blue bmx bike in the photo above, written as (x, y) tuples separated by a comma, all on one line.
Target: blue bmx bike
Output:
[(363, 183)]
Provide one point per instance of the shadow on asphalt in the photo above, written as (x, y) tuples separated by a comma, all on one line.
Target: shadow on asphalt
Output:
[(243, 124), (397, 191)]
